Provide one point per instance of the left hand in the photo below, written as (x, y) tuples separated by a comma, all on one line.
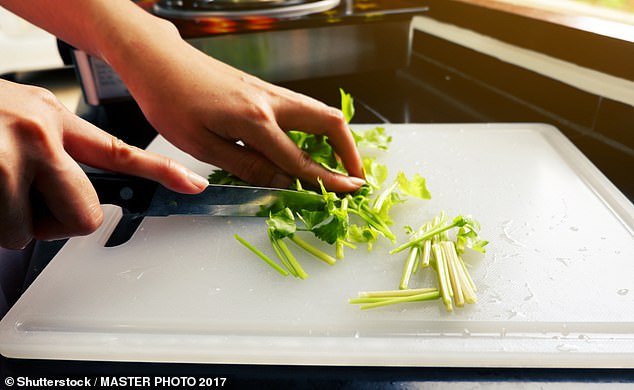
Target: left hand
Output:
[(204, 107)]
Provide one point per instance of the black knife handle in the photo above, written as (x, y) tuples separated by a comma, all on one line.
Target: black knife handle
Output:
[(133, 194)]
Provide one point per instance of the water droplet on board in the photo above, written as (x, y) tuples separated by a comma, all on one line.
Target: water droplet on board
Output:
[(623, 291), (574, 228), (563, 260), (566, 348), (507, 235), (530, 293), (514, 313)]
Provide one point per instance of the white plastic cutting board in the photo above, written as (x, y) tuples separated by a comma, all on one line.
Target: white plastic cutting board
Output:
[(556, 286)]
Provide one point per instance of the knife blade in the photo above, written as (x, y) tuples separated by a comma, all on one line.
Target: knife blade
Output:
[(146, 198)]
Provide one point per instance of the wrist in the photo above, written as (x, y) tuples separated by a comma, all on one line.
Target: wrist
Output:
[(139, 38)]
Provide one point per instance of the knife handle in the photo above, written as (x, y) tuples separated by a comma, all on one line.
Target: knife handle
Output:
[(133, 194)]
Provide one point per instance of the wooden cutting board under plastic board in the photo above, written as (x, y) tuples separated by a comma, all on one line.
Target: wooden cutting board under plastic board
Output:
[(555, 288)]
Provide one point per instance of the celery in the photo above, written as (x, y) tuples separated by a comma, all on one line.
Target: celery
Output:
[(261, 255)]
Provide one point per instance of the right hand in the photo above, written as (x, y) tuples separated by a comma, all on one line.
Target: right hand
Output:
[(44, 194)]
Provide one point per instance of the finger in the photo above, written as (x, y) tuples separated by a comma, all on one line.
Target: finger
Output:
[(244, 162), (312, 116), (64, 201), (93, 146), (283, 152)]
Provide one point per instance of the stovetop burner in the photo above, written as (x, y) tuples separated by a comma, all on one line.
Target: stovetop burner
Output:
[(241, 8)]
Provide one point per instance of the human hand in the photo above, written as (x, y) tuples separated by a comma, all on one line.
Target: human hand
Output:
[(204, 107), (44, 194)]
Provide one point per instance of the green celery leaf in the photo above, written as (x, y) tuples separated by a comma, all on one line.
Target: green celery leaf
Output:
[(320, 151), (299, 137), (328, 226), (282, 223), (467, 237), (373, 138), (361, 234), (375, 173), (347, 105), (415, 187), (220, 176)]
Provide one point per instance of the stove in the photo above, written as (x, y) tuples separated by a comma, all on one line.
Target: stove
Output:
[(236, 9), (277, 40)]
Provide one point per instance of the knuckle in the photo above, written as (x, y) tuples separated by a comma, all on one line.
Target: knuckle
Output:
[(304, 162), (334, 118), (248, 170), (46, 97), (40, 127), (259, 111), (119, 152)]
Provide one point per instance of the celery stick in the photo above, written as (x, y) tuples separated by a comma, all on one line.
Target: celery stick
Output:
[(368, 300), (469, 292), (409, 266), (395, 293), (449, 251), (466, 272), (281, 256), (429, 234), (261, 255), (312, 250), (442, 281), (291, 259), (411, 298), (339, 254), (426, 253)]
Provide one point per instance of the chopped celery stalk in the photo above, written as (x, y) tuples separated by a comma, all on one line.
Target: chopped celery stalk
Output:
[(381, 199), (409, 267), (339, 250), (427, 235), (291, 259), (416, 261), (312, 250), (281, 256), (369, 299), (468, 290), (261, 255), (466, 273), (442, 277), (449, 250), (395, 293), (459, 221), (426, 253), (428, 296)]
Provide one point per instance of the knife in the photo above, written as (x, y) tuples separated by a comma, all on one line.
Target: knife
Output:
[(146, 198), (141, 198)]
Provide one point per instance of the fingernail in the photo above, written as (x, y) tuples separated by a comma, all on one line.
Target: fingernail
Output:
[(197, 180), (280, 181), (355, 181)]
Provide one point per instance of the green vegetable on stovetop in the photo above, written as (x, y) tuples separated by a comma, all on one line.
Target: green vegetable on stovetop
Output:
[(362, 217)]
